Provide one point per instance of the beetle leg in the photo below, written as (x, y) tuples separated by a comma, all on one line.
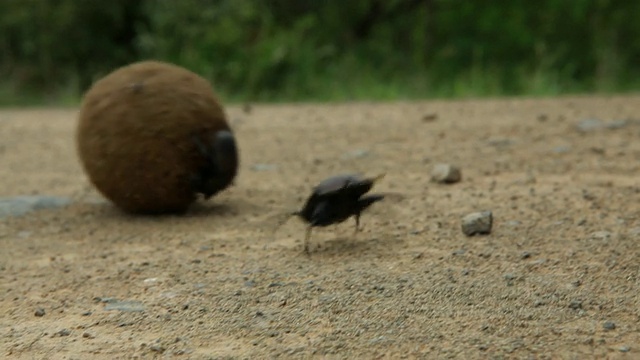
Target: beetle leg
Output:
[(357, 216), (307, 237)]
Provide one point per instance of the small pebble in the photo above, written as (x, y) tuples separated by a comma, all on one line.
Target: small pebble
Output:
[(356, 154), (525, 255), (635, 231), (597, 124), (445, 174), (609, 325), (562, 149), (105, 300), (64, 332), (39, 312), (157, 348), (477, 223), (125, 305), (501, 142), (601, 235), (617, 124), (87, 335), (575, 305), (587, 125), (513, 223), (429, 117), (263, 167), (624, 349)]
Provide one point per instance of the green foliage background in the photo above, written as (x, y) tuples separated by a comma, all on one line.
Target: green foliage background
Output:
[(292, 50)]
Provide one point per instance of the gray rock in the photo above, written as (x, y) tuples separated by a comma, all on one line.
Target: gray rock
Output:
[(601, 235), (477, 223), (429, 117), (40, 312), (263, 167), (587, 125), (597, 124), (617, 124), (575, 305), (445, 174), (562, 149), (539, 303), (609, 325), (501, 142), (20, 205), (356, 154), (64, 332), (157, 348), (125, 305)]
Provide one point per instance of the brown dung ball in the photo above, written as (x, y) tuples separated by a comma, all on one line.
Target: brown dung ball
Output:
[(152, 136)]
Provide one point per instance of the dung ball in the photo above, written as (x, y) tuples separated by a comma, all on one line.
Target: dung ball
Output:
[(152, 136)]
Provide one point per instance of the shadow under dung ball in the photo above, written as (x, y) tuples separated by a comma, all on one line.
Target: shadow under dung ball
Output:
[(152, 136)]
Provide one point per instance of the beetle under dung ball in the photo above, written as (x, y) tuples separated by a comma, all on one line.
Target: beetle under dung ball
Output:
[(336, 199), (152, 136), (219, 166)]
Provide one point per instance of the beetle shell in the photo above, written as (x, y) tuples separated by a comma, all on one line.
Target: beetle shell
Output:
[(335, 199)]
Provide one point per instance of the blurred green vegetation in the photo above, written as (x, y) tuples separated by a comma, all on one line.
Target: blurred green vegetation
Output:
[(297, 50)]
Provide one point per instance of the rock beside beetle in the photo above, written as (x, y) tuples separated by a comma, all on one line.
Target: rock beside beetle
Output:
[(152, 135), (477, 223), (445, 174)]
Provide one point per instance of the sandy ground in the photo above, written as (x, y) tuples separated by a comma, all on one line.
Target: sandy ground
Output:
[(557, 278)]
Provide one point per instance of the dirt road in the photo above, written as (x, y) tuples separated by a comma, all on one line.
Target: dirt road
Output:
[(557, 278)]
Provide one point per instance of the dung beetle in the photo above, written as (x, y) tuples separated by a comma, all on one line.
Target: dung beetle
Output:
[(220, 165), (334, 200)]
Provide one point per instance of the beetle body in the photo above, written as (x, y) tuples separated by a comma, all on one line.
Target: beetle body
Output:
[(335, 200)]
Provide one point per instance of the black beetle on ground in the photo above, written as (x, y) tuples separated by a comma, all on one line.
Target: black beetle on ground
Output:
[(336, 199)]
